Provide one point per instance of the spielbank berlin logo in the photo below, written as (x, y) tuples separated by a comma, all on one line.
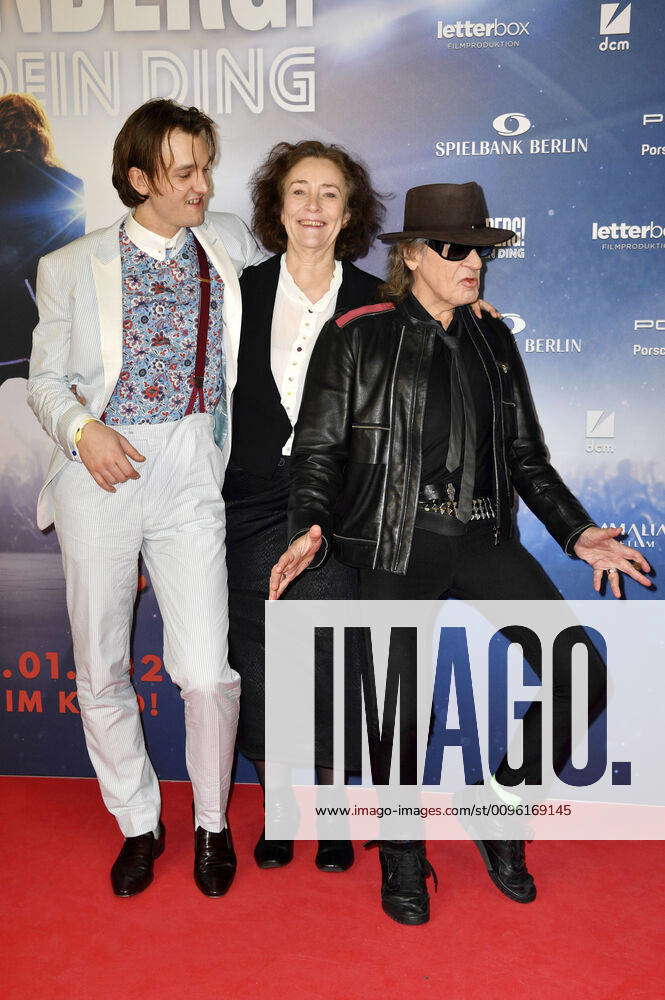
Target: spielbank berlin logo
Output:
[(614, 20), (512, 124), (514, 322)]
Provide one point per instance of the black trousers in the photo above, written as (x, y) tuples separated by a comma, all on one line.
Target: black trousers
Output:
[(256, 536), (470, 566)]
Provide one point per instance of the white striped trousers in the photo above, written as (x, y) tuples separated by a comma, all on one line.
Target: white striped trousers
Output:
[(174, 516)]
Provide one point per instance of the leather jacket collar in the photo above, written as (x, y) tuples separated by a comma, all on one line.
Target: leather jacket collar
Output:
[(416, 314)]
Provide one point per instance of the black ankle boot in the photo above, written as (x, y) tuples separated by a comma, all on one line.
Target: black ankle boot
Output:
[(506, 866), (405, 869), (272, 853), (334, 855)]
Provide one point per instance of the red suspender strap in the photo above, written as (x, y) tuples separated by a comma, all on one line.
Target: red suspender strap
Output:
[(202, 333)]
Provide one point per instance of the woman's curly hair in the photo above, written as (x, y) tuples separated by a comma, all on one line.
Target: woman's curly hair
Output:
[(364, 204)]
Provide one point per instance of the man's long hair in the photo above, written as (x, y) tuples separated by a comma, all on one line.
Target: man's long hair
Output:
[(399, 277)]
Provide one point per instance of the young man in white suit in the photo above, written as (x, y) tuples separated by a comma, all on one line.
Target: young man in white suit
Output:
[(144, 319)]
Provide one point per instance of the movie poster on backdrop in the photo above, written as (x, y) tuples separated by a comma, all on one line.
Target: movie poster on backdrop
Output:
[(555, 108)]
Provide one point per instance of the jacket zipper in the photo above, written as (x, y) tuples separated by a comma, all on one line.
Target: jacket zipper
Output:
[(409, 451), (390, 438), (371, 427)]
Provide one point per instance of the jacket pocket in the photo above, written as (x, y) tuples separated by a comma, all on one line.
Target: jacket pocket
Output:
[(368, 444), (358, 509), (508, 408)]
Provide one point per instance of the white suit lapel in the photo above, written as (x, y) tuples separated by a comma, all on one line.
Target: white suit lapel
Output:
[(107, 275), (212, 243)]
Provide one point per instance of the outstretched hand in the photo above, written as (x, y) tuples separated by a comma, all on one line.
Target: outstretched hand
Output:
[(600, 549), (297, 558)]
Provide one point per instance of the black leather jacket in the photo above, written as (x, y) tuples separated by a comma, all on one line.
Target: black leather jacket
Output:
[(355, 466)]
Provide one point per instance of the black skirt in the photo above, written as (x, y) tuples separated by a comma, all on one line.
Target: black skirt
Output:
[(256, 536)]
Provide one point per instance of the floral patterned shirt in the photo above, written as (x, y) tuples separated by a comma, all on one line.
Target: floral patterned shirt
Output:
[(160, 309)]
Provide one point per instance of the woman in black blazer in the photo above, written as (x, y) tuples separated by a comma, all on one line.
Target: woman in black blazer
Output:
[(316, 207)]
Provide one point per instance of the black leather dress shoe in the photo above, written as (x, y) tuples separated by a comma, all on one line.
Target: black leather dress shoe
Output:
[(272, 853), (405, 869), (214, 861), (334, 855), (132, 870), (506, 866)]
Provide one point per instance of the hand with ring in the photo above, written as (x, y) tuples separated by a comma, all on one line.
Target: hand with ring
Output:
[(600, 548)]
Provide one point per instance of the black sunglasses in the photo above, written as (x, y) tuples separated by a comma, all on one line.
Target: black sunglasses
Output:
[(457, 251)]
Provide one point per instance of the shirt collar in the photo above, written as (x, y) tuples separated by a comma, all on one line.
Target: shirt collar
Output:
[(288, 286), (151, 243)]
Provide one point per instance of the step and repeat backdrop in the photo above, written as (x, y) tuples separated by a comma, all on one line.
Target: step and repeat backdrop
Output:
[(556, 108)]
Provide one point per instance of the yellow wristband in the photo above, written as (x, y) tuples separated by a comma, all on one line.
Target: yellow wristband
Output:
[(77, 436)]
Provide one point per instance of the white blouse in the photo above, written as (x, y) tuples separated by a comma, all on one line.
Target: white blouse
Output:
[(296, 323)]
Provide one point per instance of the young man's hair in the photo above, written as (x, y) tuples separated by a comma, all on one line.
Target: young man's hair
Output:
[(139, 143)]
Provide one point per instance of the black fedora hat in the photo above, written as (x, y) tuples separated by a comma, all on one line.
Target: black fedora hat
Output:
[(456, 213)]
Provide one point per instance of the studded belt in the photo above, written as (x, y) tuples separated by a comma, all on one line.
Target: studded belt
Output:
[(482, 509)]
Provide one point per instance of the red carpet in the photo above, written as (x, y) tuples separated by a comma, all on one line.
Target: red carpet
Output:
[(594, 933)]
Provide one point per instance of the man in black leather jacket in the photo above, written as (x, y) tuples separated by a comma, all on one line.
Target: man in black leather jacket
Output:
[(416, 428)]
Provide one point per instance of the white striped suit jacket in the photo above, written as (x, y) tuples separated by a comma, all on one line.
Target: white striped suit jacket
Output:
[(78, 339)]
